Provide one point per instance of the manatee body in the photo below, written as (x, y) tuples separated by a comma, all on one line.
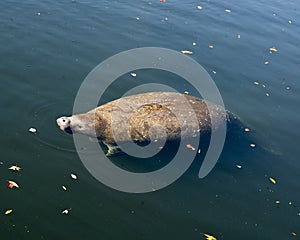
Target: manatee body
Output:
[(136, 117)]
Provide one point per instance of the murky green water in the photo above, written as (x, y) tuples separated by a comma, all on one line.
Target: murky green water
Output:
[(47, 49)]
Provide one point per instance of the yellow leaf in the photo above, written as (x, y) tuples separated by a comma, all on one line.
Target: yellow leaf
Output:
[(8, 211), (272, 180), (273, 49), (209, 237)]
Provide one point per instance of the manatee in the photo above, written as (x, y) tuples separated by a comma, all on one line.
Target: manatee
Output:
[(132, 118)]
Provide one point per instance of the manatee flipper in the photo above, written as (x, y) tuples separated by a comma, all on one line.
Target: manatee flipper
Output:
[(112, 150)]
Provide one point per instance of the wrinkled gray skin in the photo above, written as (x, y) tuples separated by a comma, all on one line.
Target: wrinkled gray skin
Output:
[(132, 117)]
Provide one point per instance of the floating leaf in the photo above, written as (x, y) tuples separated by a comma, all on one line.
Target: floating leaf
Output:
[(15, 168), (209, 237), (189, 146), (12, 184), (9, 211), (186, 52), (273, 49), (73, 176), (32, 130), (272, 180), (66, 211)]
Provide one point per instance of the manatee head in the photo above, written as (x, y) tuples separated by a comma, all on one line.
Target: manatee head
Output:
[(81, 123)]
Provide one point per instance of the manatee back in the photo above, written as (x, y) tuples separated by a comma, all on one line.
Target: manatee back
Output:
[(134, 117)]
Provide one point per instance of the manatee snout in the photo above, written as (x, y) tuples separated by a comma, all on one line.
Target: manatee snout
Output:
[(64, 124)]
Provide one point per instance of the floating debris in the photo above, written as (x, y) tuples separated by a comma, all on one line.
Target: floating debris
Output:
[(186, 92), (133, 74), (163, 1), (137, 18), (267, 94), (273, 49), (73, 176), (294, 234), (39, 14), (199, 151), (256, 83), (263, 85), (247, 129), (290, 22), (66, 211), (272, 180), (228, 10), (15, 168), (288, 88), (277, 202), (266, 62), (214, 72), (238, 166), (64, 188), (12, 184), (252, 145), (9, 211), (32, 130), (186, 52), (209, 237), (238, 36), (189, 146), (194, 44), (199, 7), (210, 46)]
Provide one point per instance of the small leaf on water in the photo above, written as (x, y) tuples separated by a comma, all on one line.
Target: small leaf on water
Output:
[(9, 211), (73, 176), (12, 184), (32, 130), (209, 237), (187, 52), (272, 180), (189, 146), (15, 168)]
